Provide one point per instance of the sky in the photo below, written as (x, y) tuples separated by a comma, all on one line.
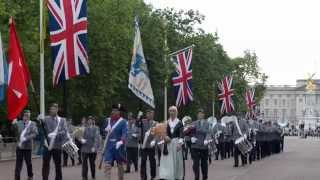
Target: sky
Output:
[(285, 34)]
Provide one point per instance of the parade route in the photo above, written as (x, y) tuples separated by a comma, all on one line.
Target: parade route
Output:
[(300, 161)]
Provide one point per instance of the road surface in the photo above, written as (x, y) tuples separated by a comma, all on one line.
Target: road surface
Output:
[(299, 161)]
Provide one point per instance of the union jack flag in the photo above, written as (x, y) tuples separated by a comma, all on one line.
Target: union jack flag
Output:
[(226, 95), (250, 103), (182, 76), (68, 35)]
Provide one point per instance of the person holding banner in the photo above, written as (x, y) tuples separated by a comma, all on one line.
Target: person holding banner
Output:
[(148, 145), (26, 131), (115, 150)]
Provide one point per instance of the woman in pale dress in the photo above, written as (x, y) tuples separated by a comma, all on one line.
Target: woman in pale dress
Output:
[(172, 163)]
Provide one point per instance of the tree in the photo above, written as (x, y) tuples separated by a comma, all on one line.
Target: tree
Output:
[(111, 32)]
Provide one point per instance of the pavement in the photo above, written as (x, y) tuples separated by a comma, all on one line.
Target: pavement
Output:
[(299, 161)]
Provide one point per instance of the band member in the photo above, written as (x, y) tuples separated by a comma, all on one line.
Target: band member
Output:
[(115, 142), (148, 145), (187, 139), (78, 141), (243, 126), (276, 131), (219, 131), (268, 136), (26, 131), (132, 143), (199, 145), (212, 146), (282, 138), (228, 141), (56, 127), (172, 163), (65, 154), (253, 129), (259, 139), (90, 145)]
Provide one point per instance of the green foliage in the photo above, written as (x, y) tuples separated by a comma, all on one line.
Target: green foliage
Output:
[(111, 33)]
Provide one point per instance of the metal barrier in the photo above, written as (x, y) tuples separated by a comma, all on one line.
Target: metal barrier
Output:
[(8, 147)]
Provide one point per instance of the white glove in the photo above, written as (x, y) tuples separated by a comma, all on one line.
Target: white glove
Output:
[(107, 129), (193, 140), (245, 136), (206, 142), (93, 149), (140, 114), (23, 139), (14, 121), (40, 117), (153, 143), (181, 141), (83, 141), (161, 142), (119, 143), (51, 135), (134, 135)]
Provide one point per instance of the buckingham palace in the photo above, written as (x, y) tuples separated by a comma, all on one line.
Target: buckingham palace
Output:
[(293, 104)]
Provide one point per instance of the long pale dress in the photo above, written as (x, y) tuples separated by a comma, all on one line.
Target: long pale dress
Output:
[(172, 164)]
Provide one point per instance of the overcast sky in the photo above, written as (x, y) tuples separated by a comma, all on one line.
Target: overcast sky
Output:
[(285, 34)]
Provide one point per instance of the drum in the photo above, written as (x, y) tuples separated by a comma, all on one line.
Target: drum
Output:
[(243, 145), (71, 149)]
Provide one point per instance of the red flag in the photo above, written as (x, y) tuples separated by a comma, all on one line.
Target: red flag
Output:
[(19, 76)]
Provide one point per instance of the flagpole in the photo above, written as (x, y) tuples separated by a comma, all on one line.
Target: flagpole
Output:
[(181, 50), (42, 100), (214, 93), (166, 49)]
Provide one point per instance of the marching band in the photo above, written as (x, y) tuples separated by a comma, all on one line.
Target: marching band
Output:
[(127, 139)]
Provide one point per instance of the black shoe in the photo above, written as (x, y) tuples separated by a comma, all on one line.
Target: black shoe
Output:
[(127, 171), (235, 166)]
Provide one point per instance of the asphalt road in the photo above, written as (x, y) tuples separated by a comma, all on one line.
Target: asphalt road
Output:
[(299, 161)]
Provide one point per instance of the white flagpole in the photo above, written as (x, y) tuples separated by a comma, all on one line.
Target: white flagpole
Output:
[(214, 93), (176, 52), (42, 100), (166, 70)]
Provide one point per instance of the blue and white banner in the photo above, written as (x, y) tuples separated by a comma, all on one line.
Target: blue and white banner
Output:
[(3, 72), (139, 82)]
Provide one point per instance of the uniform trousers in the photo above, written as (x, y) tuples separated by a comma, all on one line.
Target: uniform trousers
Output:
[(65, 159), (220, 151), (200, 158), (23, 154), (236, 155), (132, 157), (148, 153), (47, 155), (258, 150), (92, 159)]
